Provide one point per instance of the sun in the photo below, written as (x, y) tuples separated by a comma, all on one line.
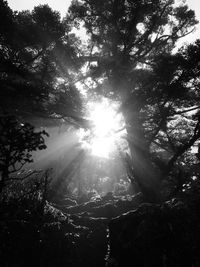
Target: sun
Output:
[(107, 127)]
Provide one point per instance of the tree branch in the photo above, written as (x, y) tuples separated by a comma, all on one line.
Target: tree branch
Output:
[(182, 149), (23, 178)]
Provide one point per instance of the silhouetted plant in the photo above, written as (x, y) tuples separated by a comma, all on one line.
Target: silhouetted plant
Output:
[(17, 142)]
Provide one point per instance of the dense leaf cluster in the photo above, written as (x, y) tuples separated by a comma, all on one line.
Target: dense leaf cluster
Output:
[(17, 142), (38, 57)]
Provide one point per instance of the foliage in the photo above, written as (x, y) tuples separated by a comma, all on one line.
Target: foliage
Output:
[(38, 57), (27, 238), (157, 235), (131, 59), (17, 141)]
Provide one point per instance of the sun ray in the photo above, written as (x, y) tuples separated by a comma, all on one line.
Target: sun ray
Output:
[(106, 121)]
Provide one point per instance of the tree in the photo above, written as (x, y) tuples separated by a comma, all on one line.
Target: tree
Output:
[(38, 60), (130, 55), (17, 141)]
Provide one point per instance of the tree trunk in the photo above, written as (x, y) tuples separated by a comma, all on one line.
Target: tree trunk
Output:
[(4, 177), (144, 172)]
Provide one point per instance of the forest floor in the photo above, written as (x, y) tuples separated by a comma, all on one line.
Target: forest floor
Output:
[(64, 234), (91, 221), (106, 231)]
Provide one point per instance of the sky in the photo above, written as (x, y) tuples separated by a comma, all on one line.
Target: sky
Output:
[(59, 5), (195, 5), (62, 6)]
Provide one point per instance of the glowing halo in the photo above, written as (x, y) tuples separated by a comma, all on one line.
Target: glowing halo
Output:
[(105, 132)]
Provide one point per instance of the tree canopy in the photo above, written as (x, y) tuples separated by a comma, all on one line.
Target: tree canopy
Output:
[(38, 60), (131, 59)]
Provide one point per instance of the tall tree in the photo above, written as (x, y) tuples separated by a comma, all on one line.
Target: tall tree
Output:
[(130, 55)]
